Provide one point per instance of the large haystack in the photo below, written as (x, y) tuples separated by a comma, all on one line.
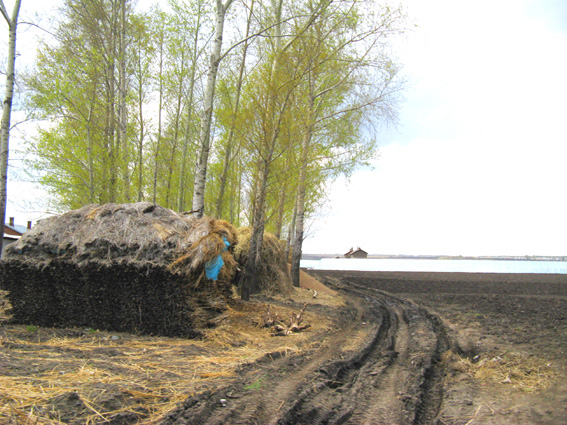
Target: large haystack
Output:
[(273, 273), (121, 267)]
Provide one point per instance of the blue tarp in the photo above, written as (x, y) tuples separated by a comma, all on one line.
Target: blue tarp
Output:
[(214, 266)]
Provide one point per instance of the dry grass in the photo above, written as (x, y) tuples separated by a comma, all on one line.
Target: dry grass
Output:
[(4, 305), (303, 295), (120, 373), (523, 372), (129, 267)]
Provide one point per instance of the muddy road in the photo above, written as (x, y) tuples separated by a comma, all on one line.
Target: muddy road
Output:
[(381, 365), (414, 348)]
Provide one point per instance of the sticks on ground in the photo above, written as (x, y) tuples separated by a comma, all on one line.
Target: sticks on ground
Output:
[(282, 329), (270, 318)]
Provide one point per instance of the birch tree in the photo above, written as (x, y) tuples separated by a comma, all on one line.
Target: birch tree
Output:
[(349, 79), (81, 86), (230, 139), (281, 83), (207, 114), (143, 54), (267, 139), (195, 56), (12, 22)]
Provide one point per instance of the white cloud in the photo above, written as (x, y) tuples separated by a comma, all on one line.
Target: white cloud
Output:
[(478, 164), (431, 197)]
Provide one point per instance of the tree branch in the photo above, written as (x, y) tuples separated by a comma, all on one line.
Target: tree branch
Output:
[(33, 24), (5, 12)]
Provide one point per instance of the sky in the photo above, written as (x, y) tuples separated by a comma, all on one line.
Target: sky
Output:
[(476, 162)]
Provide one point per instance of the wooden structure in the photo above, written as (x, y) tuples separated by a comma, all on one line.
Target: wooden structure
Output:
[(358, 253)]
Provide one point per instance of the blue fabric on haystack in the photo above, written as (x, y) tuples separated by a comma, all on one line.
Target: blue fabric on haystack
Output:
[(214, 266)]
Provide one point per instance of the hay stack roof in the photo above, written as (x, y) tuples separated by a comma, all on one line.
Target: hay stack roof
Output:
[(125, 267), (140, 232)]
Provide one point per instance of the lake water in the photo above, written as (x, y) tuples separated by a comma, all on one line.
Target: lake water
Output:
[(427, 265)]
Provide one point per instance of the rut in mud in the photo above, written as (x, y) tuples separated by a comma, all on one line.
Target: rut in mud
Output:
[(393, 375)]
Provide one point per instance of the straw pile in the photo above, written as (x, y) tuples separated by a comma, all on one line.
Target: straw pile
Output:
[(122, 267), (71, 376), (273, 272), (523, 372)]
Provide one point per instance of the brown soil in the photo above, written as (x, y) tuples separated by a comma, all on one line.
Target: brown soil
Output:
[(509, 339), (390, 348)]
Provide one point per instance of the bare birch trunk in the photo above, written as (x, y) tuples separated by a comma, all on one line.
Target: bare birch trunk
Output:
[(90, 155), (7, 109), (158, 141), (140, 136), (205, 133), (185, 150), (249, 283), (302, 188), (228, 152), (291, 231), (280, 212), (300, 214), (113, 138), (174, 147), (122, 111)]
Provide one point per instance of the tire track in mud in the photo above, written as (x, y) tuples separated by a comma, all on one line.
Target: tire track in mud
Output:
[(422, 392), (395, 377)]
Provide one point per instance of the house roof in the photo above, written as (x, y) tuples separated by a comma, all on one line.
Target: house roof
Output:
[(359, 250), (16, 228)]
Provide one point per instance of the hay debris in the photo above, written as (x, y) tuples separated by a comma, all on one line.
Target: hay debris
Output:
[(523, 372), (54, 376)]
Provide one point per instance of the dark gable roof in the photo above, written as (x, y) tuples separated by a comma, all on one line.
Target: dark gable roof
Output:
[(360, 250)]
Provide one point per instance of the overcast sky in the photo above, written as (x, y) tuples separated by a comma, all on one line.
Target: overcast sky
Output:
[(476, 165)]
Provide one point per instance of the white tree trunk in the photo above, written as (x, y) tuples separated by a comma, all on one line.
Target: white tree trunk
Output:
[(7, 109), (228, 152), (122, 110), (205, 133), (185, 152), (300, 223), (302, 188)]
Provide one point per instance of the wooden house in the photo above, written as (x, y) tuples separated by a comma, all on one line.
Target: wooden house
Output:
[(358, 253)]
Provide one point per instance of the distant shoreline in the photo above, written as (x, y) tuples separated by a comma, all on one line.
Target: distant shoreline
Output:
[(437, 264), (442, 257)]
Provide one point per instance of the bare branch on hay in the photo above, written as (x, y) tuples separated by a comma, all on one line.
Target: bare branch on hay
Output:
[(295, 324), (270, 318)]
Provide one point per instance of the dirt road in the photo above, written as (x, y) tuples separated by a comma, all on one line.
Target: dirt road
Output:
[(380, 366), (393, 361)]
